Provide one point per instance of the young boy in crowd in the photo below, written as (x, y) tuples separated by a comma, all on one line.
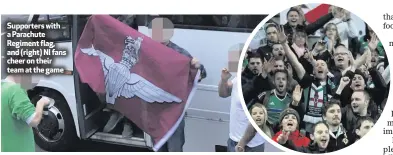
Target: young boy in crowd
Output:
[(289, 123)]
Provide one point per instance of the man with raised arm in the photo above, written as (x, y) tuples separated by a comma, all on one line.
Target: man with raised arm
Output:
[(316, 87), (238, 120)]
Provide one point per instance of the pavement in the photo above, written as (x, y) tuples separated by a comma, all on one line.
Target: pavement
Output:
[(90, 146)]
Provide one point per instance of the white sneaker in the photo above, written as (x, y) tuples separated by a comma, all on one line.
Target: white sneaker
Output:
[(127, 131), (112, 122)]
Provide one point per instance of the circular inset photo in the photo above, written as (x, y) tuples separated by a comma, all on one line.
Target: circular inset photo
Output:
[(319, 82)]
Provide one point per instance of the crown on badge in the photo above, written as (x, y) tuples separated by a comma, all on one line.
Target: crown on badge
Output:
[(131, 51)]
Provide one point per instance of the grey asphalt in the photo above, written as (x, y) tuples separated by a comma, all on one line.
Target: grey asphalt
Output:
[(90, 146)]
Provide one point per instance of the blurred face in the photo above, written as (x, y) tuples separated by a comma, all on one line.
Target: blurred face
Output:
[(364, 70), (278, 51), (271, 34), (339, 12), (320, 70), (279, 65), (254, 65), (258, 115), (333, 115), (331, 31), (358, 82), (364, 128), (280, 81), (300, 40), (321, 136), (358, 102), (289, 123), (341, 58), (293, 18), (374, 58), (160, 33), (331, 8)]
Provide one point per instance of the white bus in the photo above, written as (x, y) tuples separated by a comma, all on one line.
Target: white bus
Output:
[(78, 113)]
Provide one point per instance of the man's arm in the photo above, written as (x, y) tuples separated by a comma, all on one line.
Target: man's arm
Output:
[(377, 78), (361, 60), (225, 88), (311, 28), (187, 54), (23, 109), (352, 29), (179, 49), (248, 135), (294, 61), (386, 74)]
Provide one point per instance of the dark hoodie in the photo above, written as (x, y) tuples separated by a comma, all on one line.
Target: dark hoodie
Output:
[(311, 148), (253, 84), (339, 139), (377, 93), (266, 51), (349, 118)]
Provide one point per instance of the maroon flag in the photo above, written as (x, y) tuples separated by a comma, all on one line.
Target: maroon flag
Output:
[(147, 82)]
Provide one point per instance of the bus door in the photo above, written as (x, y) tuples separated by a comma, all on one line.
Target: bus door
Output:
[(89, 107), (92, 116)]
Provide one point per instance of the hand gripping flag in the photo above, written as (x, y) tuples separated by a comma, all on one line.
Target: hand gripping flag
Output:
[(149, 83)]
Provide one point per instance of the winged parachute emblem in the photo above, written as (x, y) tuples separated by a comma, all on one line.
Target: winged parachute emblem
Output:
[(119, 81)]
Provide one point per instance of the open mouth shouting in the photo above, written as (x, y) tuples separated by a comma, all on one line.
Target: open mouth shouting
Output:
[(324, 142), (355, 107), (340, 60), (357, 86), (373, 60), (320, 72), (258, 121), (280, 87)]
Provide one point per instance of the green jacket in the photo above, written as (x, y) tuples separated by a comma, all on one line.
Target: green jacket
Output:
[(16, 113)]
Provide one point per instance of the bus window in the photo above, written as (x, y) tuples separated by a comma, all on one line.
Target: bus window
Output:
[(234, 23), (130, 20), (60, 34)]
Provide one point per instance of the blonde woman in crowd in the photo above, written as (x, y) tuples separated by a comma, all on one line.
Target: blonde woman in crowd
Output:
[(259, 115)]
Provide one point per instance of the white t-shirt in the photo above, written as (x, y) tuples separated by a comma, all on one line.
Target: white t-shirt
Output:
[(238, 120)]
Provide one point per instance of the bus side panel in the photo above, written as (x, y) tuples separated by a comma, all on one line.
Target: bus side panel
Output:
[(207, 121), (206, 127)]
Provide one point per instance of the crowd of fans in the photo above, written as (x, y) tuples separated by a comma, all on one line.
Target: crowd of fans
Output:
[(315, 98)]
